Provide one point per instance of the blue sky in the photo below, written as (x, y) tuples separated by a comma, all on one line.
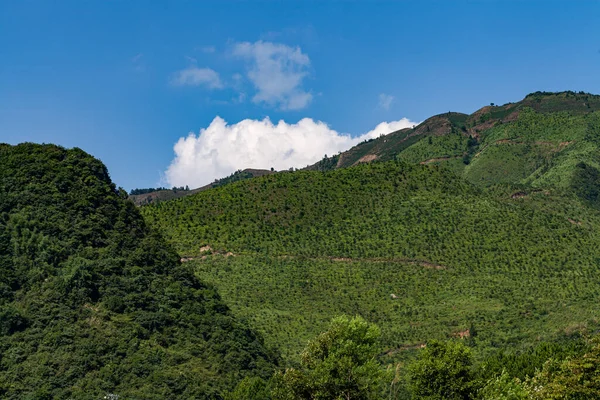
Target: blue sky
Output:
[(128, 80)]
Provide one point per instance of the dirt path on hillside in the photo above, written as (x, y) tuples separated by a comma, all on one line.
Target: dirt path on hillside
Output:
[(558, 146), (432, 160), (412, 261)]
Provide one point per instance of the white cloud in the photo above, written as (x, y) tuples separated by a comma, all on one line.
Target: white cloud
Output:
[(194, 76), (277, 72), (385, 101), (388, 127), (221, 149)]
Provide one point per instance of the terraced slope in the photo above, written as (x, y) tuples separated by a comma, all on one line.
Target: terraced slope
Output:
[(412, 247)]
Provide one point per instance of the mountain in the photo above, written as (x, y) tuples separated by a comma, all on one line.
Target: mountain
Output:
[(93, 303), (536, 142), (155, 196), (481, 226), (482, 147)]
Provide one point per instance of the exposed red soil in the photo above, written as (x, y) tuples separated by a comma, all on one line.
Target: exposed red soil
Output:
[(462, 334)]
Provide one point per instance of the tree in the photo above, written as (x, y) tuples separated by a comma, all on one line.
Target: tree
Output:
[(339, 364), (250, 388), (585, 182), (573, 378), (442, 371), (503, 387)]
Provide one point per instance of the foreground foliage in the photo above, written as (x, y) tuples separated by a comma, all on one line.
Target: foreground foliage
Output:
[(443, 371), (573, 378), (343, 363), (339, 364), (446, 371)]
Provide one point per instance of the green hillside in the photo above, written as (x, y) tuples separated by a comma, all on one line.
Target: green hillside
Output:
[(537, 150), (386, 147), (93, 303), (536, 142), (414, 248)]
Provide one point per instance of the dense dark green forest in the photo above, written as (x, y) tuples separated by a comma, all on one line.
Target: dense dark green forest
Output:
[(93, 303)]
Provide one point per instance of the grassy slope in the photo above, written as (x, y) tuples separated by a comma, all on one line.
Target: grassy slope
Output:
[(456, 258), (386, 147), (538, 150)]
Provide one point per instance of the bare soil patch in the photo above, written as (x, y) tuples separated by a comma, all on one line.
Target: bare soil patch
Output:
[(367, 158)]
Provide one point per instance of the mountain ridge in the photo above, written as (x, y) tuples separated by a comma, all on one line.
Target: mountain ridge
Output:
[(470, 125), (388, 146), (170, 194)]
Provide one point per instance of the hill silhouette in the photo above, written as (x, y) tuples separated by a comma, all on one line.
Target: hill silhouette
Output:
[(155, 196)]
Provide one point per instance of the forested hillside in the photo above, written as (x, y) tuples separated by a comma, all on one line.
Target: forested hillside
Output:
[(478, 228), (93, 303)]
